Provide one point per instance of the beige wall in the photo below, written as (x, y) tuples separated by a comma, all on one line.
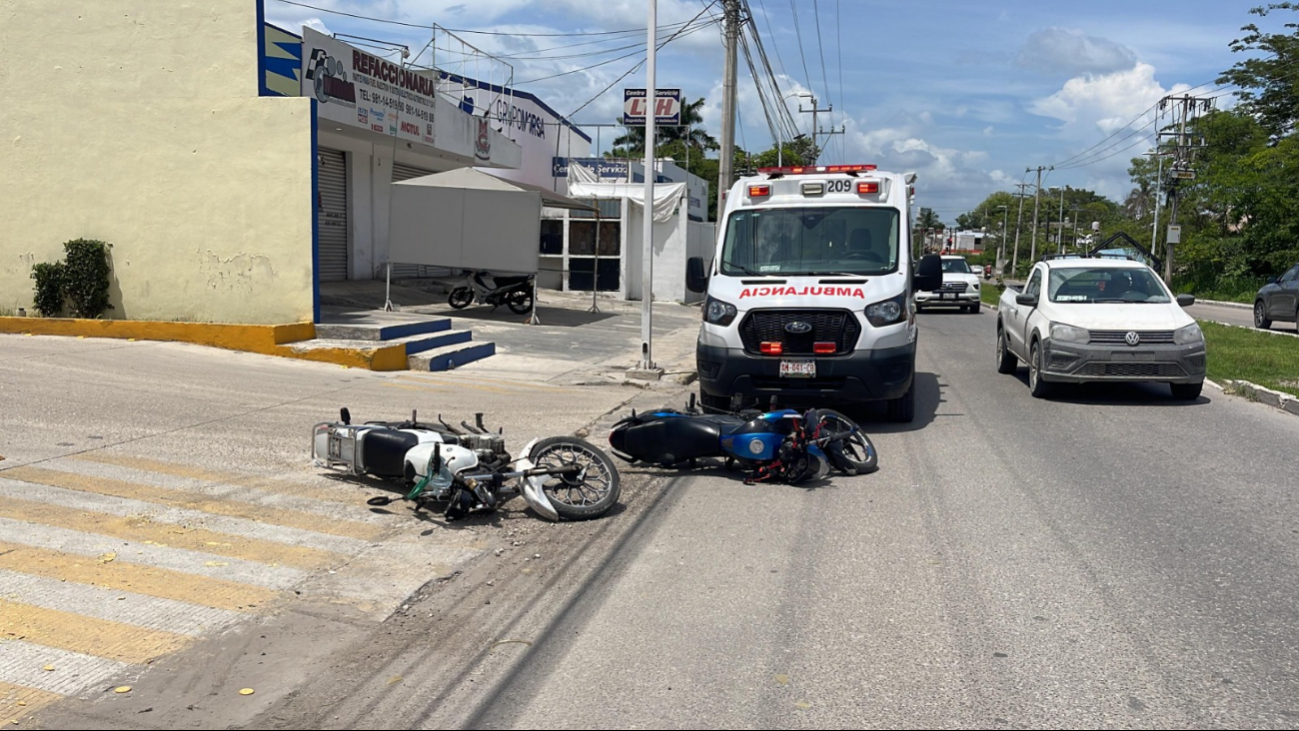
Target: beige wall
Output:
[(139, 123)]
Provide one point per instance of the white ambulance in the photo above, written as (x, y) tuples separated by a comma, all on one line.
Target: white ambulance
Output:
[(809, 293)]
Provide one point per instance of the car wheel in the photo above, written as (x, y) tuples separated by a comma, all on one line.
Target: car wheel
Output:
[(919, 309), (1261, 319), (974, 308), (1036, 386), (1006, 360), (903, 410), (1186, 391)]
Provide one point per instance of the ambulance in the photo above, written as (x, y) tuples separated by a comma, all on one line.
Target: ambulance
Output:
[(809, 292)]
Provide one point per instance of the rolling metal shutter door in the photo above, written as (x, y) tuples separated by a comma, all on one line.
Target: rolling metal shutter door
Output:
[(332, 202), (399, 173)]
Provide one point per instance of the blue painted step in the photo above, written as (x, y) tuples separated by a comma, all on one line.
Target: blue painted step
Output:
[(450, 357)]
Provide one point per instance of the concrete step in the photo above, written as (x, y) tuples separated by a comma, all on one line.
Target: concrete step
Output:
[(414, 343), (382, 331), (450, 357)]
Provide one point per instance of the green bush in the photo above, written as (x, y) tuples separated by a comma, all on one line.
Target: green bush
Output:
[(86, 277), (49, 287)]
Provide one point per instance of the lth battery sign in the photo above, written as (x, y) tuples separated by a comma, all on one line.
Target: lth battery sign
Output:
[(667, 107)]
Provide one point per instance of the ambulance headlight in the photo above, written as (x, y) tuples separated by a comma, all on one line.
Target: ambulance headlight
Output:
[(888, 312), (717, 312)]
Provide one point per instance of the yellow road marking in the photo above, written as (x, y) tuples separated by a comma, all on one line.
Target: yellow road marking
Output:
[(196, 501), (261, 482), (137, 578), (87, 635), (32, 700), (141, 529)]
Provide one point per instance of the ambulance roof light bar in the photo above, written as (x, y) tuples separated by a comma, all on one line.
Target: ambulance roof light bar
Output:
[(816, 169)]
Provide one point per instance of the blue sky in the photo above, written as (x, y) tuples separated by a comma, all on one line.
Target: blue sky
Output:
[(968, 94)]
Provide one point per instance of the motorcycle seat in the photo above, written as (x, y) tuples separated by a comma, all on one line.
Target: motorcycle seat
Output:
[(383, 451), (511, 281)]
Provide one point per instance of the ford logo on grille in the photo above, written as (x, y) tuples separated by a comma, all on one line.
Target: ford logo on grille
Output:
[(1132, 339), (798, 328)]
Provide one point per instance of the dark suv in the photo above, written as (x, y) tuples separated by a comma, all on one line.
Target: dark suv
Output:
[(1278, 300)]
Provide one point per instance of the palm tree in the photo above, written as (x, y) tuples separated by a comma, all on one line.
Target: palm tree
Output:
[(699, 140)]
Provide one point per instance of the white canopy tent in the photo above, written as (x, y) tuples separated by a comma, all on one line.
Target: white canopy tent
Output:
[(467, 219)]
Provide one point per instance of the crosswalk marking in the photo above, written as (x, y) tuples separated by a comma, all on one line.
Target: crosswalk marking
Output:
[(141, 528), (262, 482), (212, 506), (121, 574), (18, 702), (23, 664), (78, 633), (147, 612), (203, 565)]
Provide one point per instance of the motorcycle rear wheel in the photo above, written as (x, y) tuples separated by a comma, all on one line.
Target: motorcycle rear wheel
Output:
[(520, 302), (853, 455), (591, 493), (461, 297)]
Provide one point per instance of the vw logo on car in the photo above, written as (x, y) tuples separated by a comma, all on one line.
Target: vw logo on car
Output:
[(798, 327), (1132, 339)]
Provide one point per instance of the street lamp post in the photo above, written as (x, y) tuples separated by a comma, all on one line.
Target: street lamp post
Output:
[(1001, 245), (1060, 233)]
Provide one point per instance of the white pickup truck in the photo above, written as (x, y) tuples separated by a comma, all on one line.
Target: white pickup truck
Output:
[(1081, 320), (960, 288)]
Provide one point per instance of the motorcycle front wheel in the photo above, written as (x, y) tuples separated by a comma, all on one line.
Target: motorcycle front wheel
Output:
[(588, 494), (854, 454), (520, 302), (461, 297)]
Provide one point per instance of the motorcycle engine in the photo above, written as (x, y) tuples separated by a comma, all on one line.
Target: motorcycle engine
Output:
[(489, 448)]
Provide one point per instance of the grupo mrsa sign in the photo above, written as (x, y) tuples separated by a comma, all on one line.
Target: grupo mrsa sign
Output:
[(361, 90)]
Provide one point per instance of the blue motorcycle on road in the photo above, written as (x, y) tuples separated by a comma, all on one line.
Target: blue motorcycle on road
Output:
[(779, 445)]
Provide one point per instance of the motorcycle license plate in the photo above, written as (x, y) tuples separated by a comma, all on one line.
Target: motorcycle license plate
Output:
[(803, 368), (335, 447)]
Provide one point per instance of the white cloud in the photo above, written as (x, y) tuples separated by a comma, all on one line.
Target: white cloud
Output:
[(1091, 103), (1071, 51)]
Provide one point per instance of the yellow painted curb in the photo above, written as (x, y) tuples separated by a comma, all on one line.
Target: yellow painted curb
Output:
[(262, 339)]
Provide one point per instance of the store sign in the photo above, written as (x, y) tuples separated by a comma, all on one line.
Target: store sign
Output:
[(635, 107), (601, 167), (360, 90)]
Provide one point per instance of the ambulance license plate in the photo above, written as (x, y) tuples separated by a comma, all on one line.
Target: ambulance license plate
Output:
[(798, 368)]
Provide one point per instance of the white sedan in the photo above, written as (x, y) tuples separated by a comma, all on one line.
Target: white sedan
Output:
[(1082, 320)]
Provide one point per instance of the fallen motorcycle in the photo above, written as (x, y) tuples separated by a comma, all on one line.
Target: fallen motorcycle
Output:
[(468, 468), (780, 445)]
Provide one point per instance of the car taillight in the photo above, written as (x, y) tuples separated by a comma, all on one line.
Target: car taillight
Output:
[(823, 348), (759, 191), (868, 188), (772, 348)]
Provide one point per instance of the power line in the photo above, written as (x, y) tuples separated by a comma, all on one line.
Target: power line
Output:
[(612, 60), (838, 47), (798, 33), (820, 47), (427, 26), (767, 17)]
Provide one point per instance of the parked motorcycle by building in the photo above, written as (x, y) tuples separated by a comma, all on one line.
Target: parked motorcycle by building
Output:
[(468, 469), (513, 291), (779, 445)]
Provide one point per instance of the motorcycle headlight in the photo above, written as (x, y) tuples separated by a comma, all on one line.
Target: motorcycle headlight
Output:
[(1063, 333), (1189, 335), (887, 312), (717, 312)]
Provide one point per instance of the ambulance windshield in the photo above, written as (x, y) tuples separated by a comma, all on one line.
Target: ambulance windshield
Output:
[(811, 241)]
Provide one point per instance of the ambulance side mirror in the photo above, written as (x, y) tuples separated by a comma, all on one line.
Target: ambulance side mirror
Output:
[(696, 279), (929, 274)]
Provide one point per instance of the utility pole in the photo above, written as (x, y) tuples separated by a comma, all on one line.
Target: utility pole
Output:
[(1159, 198), (817, 130), (1183, 155), (1001, 245), (1037, 199), (1019, 224), (1059, 238), (726, 161)]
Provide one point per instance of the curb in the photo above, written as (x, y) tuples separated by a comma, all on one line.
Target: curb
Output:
[(1254, 392), (1219, 303), (271, 340), (1254, 329)]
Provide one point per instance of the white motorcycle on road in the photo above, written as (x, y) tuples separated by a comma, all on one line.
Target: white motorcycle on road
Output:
[(468, 469)]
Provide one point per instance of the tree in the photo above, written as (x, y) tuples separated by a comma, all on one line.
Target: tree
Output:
[(1267, 87)]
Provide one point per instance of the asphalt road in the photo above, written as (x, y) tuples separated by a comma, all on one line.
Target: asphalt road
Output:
[(1228, 315), (1108, 559)]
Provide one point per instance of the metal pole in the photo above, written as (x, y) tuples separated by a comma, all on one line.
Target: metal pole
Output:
[(1019, 224), (595, 268), (1159, 198), (647, 255), (1059, 237), (1037, 200), (1001, 250)]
